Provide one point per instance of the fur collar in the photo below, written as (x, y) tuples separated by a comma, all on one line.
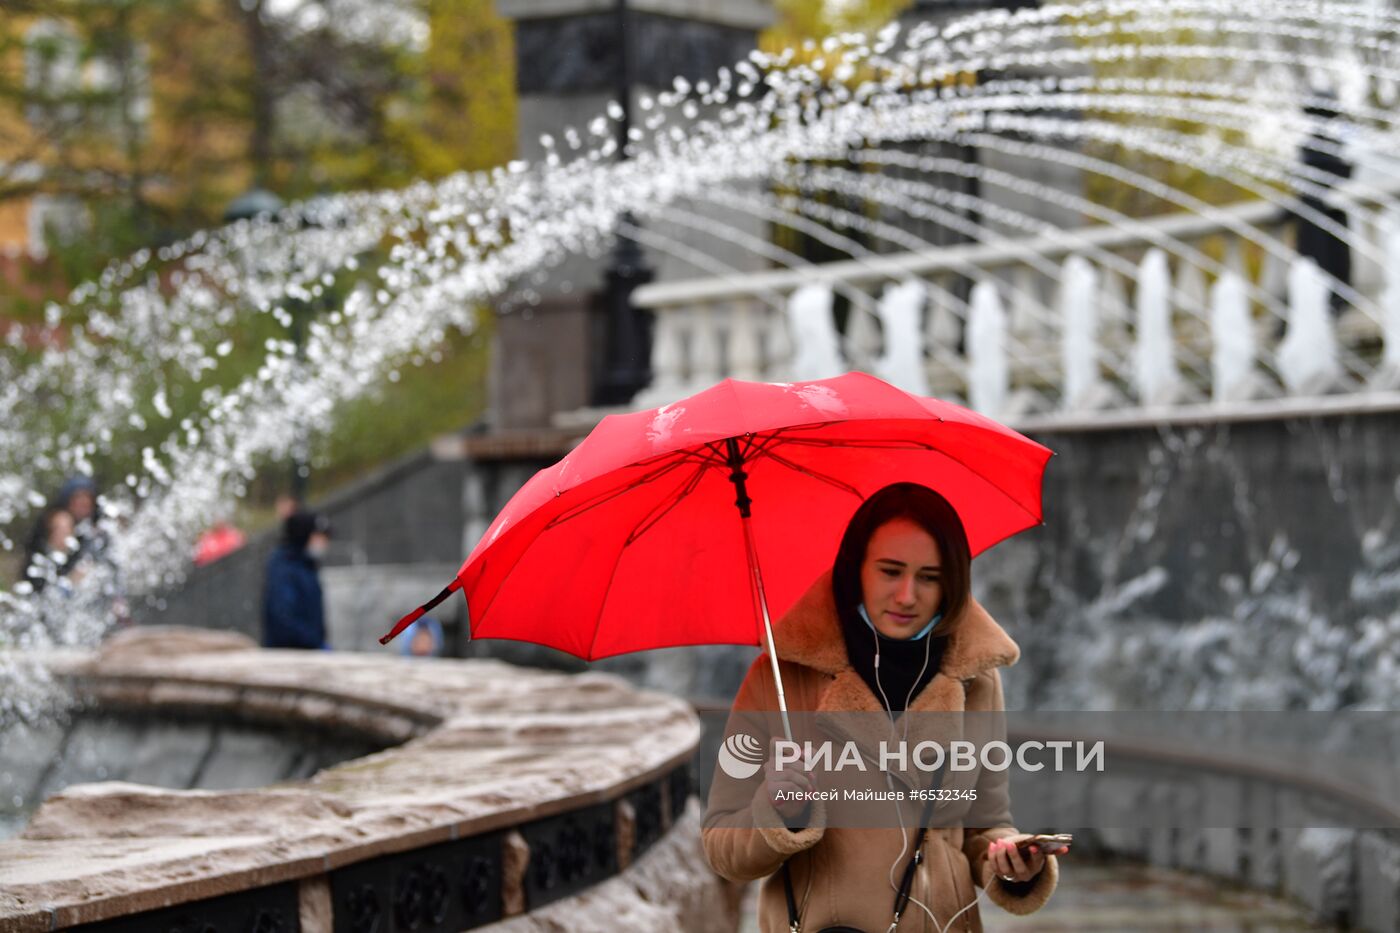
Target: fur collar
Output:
[(810, 635)]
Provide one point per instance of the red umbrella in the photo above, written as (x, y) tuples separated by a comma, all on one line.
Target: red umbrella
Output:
[(634, 541)]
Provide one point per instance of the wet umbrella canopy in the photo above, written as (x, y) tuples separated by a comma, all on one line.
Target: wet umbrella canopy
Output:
[(697, 522)]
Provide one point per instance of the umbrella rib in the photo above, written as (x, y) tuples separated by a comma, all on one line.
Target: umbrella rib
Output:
[(752, 442), (663, 509), (602, 610), (685, 453), (859, 444), (906, 445), (605, 497), (761, 446), (1036, 518), (814, 474)]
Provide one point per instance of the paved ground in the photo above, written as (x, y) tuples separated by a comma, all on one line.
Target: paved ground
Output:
[(1127, 897)]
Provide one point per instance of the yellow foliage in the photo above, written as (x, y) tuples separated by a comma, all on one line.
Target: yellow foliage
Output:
[(800, 20)]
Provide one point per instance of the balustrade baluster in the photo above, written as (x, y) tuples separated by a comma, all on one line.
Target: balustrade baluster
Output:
[(668, 363), (988, 373), (778, 345), (1083, 384), (744, 349), (1307, 357), (1155, 376), (816, 353), (863, 337), (902, 363), (1234, 377), (706, 347)]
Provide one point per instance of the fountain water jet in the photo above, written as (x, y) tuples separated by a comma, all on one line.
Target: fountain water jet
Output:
[(410, 265)]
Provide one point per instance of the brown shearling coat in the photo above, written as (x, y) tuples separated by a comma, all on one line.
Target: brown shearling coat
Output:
[(841, 875)]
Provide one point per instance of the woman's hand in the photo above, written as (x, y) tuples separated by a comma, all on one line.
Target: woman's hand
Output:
[(1010, 864), (790, 779)]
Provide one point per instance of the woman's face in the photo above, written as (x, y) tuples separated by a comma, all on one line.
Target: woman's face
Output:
[(423, 644), (60, 531), (901, 578), (81, 505)]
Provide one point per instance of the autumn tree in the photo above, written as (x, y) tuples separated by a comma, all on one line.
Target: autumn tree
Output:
[(155, 114)]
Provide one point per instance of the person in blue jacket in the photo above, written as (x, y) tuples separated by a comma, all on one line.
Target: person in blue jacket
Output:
[(293, 608)]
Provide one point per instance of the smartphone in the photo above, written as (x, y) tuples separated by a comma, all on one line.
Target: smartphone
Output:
[(1048, 844)]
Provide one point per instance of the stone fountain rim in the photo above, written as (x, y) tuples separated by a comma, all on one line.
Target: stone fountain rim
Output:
[(120, 894)]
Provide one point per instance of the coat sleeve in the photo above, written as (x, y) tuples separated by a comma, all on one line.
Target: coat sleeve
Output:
[(993, 795), (744, 836)]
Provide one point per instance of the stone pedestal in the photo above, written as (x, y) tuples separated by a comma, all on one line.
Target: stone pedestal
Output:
[(568, 67), (542, 361)]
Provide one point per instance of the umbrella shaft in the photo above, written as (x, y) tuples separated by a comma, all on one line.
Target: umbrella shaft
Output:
[(739, 478), (757, 575)]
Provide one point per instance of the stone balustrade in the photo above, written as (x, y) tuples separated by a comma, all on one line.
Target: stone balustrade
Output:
[(511, 799), (1192, 309)]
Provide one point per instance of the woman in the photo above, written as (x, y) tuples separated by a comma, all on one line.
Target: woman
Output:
[(53, 553), (899, 592)]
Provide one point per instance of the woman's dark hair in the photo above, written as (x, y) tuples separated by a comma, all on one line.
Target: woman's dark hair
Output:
[(931, 512)]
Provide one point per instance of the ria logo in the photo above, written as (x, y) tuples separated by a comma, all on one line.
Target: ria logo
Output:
[(740, 756)]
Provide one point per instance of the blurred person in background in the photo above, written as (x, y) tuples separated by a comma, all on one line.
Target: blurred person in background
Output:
[(78, 497), (286, 506), (220, 540), (92, 531), (52, 555), (293, 605), (424, 639)]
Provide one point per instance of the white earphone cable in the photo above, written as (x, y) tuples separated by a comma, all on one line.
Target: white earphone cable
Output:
[(899, 814)]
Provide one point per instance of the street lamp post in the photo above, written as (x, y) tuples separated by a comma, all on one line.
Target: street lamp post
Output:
[(627, 349)]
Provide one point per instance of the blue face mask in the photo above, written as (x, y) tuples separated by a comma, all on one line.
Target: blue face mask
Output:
[(922, 632)]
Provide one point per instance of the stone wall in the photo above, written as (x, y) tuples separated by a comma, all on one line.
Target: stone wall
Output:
[(1226, 565)]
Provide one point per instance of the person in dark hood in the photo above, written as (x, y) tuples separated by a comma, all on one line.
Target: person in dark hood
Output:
[(293, 607), (51, 550), (76, 498)]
